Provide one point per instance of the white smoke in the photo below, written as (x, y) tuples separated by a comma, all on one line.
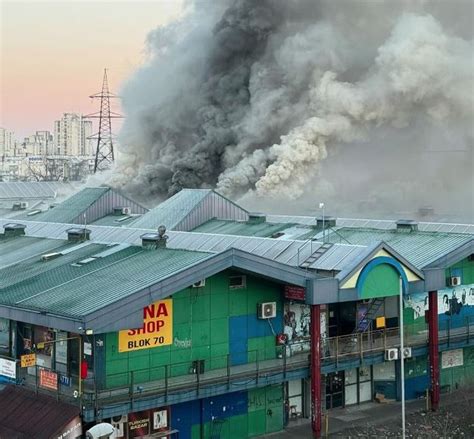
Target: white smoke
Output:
[(250, 97)]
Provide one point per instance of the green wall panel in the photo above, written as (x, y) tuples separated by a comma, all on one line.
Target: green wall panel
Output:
[(256, 423), (382, 281), (467, 271), (200, 331)]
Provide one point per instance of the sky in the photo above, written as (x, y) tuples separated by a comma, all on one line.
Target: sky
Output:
[(53, 54)]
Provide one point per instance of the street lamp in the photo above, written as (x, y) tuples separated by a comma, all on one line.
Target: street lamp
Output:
[(402, 356), (41, 345)]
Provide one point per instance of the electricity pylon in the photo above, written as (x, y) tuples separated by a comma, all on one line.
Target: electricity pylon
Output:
[(104, 154)]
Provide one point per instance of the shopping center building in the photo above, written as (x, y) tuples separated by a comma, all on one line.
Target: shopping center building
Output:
[(228, 323)]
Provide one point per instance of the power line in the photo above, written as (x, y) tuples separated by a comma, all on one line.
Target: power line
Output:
[(104, 154)]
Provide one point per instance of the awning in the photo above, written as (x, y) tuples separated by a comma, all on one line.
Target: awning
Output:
[(26, 415)]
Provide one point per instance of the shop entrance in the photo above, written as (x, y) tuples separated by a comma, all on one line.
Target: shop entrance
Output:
[(334, 390)]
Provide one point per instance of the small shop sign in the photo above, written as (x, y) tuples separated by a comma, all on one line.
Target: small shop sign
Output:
[(48, 379), (294, 293), (28, 360), (8, 368)]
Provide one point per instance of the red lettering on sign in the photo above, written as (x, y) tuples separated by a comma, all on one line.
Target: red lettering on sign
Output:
[(150, 312)]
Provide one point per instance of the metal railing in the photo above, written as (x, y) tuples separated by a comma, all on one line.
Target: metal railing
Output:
[(233, 369)]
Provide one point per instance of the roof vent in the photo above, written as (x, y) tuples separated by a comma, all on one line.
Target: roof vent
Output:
[(326, 221), (405, 225), (13, 229), (426, 211), (257, 218), (22, 205), (155, 240), (78, 234)]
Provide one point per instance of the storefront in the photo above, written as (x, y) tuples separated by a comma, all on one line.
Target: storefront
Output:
[(148, 423)]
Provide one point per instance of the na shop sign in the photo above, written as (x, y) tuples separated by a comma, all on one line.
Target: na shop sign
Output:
[(157, 329)]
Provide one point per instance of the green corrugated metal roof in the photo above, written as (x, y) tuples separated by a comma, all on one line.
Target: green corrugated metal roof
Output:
[(58, 287), (420, 248), (113, 220), (240, 228), (172, 211), (71, 208)]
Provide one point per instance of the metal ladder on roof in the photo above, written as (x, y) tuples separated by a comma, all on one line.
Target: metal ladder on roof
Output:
[(316, 255)]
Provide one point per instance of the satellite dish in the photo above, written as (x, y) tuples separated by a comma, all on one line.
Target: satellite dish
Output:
[(100, 431)]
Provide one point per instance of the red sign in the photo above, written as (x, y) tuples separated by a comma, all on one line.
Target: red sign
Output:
[(294, 293), (138, 424), (48, 380)]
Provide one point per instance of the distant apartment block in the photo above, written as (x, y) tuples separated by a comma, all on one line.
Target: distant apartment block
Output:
[(7, 142), (41, 143), (71, 134)]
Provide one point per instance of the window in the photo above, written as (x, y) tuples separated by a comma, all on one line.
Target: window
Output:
[(236, 282)]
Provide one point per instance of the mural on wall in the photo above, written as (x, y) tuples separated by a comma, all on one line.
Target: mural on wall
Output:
[(297, 320), (454, 304)]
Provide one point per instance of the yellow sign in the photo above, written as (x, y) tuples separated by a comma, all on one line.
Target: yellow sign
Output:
[(380, 322), (157, 329), (28, 360)]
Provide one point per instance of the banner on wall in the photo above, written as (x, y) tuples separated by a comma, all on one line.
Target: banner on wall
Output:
[(157, 329), (451, 301), (452, 358)]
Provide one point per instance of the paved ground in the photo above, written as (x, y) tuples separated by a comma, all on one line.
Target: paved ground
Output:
[(352, 422)]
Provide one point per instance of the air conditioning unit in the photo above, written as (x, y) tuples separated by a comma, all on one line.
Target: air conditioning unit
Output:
[(391, 354), (454, 281), (199, 284), (406, 352), (126, 211), (24, 205), (118, 422), (266, 310)]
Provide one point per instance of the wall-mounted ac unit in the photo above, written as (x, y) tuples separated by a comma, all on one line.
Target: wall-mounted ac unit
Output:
[(406, 352), (24, 204), (454, 281), (199, 284), (126, 211), (391, 354), (266, 310), (118, 422)]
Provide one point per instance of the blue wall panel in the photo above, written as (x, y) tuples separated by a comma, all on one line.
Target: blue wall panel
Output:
[(414, 387)]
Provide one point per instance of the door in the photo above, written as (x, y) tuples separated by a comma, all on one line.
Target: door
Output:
[(334, 390)]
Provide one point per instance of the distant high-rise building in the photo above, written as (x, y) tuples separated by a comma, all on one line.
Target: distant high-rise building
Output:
[(70, 135), (7, 142), (40, 143)]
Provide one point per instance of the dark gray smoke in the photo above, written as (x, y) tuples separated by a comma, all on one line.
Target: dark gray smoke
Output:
[(250, 96)]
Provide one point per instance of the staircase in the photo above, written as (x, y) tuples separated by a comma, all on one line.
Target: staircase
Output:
[(364, 323), (316, 255), (350, 342)]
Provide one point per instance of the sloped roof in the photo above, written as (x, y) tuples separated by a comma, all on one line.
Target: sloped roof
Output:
[(85, 280), (173, 210), (420, 248), (25, 415), (72, 207), (16, 190), (239, 228)]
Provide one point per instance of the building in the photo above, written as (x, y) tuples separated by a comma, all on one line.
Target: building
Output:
[(39, 144), (71, 134), (205, 329), (7, 142)]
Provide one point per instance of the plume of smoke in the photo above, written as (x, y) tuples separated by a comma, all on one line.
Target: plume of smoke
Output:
[(250, 97)]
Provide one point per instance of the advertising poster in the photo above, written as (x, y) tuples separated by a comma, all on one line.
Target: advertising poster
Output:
[(157, 329), (138, 424)]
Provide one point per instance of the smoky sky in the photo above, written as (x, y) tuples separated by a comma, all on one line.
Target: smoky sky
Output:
[(268, 99)]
